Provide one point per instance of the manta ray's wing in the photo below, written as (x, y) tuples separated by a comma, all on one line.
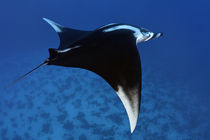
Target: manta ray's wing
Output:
[(67, 35), (120, 67)]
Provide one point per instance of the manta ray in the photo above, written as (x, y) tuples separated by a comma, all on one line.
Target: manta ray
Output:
[(109, 51)]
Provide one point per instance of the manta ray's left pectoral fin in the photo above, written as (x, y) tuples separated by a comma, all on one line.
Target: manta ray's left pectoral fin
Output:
[(67, 35)]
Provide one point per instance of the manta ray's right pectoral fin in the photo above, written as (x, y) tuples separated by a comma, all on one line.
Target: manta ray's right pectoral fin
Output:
[(121, 68), (131, 102)]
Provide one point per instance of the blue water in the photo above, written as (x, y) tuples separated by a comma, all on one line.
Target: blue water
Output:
[(56, 103)]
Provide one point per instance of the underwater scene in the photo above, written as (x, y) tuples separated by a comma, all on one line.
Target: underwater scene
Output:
[(65, 103)]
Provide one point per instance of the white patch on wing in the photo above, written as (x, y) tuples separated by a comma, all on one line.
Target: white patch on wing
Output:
[(128, 27), (54, 25), (137, 33), (65, 50), (68, 49), (131, 105)]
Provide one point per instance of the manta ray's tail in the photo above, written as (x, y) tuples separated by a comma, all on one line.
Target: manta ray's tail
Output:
[(45, 63)]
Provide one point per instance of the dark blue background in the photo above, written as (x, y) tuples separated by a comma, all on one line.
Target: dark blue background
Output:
[(176, 77)]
